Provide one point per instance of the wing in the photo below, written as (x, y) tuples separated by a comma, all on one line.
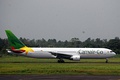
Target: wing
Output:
[(61, 55)]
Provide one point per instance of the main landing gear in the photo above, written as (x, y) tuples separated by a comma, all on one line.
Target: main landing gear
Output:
[(106, 60), (61, 61)]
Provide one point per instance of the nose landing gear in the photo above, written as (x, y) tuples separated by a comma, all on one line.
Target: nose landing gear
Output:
[(106, 60)]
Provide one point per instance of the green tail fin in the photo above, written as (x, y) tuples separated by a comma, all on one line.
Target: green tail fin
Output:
[(13, 40)]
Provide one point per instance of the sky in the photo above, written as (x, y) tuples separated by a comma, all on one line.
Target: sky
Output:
[(60, 19)]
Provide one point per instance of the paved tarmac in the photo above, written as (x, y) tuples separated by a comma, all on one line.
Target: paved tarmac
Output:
[(57, 77)]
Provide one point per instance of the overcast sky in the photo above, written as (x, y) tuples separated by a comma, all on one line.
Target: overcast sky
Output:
[(61, 19)]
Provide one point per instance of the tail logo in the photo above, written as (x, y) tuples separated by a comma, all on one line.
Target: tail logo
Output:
[(27, 49)]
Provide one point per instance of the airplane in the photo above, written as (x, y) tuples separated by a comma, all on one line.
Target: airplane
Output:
[(75, 54)]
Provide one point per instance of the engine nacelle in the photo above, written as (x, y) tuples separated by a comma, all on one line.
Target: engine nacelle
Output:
[(75, 58)]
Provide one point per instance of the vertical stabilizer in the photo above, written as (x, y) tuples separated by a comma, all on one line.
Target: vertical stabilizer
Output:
[(13, 40)]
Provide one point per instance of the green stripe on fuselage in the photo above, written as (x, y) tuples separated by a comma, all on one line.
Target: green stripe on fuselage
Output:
[(13, 40)]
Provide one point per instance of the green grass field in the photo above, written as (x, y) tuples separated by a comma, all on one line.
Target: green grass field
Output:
[(24, 65)]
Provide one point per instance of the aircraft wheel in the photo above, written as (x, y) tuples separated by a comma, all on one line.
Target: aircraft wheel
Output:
[(61, 61), (58, 61)]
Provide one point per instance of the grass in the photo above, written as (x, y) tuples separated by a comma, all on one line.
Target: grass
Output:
[(24, 65)]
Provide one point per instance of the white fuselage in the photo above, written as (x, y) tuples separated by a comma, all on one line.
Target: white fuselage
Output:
[(82, 52)]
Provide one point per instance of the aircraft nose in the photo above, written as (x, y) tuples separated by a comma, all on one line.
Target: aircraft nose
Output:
[(114, 53)]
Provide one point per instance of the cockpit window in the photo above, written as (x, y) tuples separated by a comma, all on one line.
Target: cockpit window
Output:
[(111, 51)]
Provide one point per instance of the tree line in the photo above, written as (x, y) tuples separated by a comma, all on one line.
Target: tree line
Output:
[(113, 44)]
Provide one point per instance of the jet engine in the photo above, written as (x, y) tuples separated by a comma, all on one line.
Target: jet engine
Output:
[(75, 58)]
